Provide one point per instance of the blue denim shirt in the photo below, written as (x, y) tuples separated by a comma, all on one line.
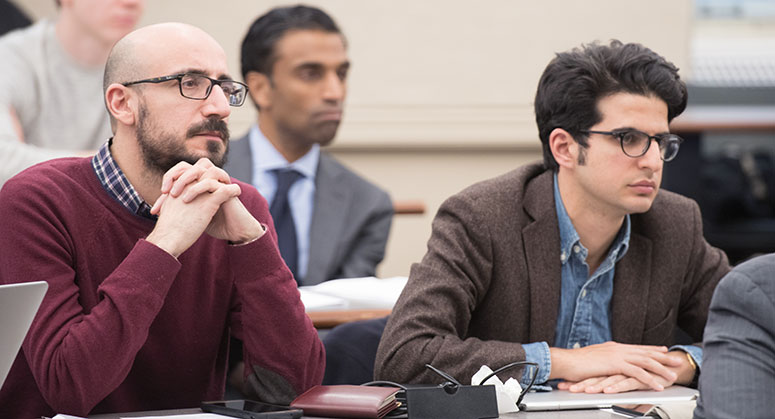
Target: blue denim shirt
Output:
[(585, 301)]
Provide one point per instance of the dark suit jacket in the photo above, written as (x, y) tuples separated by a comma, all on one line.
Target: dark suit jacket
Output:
[(350, 222), (738, 368), (491, 280)]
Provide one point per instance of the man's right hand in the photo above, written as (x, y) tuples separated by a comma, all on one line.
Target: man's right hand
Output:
[(183, 217), (645, 363)]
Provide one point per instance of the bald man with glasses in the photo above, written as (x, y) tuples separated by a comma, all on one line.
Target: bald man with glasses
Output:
[(154, 256)]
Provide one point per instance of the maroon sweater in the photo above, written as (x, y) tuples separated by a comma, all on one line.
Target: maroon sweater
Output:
[(124, 326)]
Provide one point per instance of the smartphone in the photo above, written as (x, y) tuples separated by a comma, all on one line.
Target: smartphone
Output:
[(636, 410), (249, 409)]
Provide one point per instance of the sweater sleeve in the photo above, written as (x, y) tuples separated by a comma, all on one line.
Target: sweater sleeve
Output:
[(283, 354), (16, 155), (77, 356)]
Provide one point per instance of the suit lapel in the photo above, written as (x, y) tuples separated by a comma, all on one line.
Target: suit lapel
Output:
[(629, 302), (541, 239), (332, 198)]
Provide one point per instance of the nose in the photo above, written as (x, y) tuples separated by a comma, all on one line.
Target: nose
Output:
[(217, 104), (334, 88), (652, 160)]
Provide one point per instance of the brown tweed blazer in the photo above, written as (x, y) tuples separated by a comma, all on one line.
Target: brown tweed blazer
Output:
[(491, 280)]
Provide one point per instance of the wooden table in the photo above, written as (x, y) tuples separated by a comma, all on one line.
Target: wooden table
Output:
[(408, 207), (329, 319)]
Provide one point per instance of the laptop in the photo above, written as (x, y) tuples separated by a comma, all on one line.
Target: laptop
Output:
[(18, 305), (562, 399)]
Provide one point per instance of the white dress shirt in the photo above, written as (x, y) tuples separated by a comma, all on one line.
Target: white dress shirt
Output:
[(301, 196)]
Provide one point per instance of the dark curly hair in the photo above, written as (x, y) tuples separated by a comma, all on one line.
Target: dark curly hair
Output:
[(574, 82)]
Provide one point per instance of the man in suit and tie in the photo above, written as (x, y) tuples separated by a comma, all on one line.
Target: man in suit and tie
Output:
[(331, 223)]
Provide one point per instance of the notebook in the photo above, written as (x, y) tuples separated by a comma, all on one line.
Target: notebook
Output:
[(562, 400), (18, 305)]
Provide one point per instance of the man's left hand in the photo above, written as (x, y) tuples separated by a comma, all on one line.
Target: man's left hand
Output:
[(621, 383)]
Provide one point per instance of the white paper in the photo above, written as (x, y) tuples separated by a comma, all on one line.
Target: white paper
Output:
[(186, 416), (314, 301), (357, 293)]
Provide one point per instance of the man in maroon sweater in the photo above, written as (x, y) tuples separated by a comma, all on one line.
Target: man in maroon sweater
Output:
[(153, 255)]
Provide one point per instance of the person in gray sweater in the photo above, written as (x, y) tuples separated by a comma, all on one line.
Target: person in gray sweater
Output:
[(52, 104)]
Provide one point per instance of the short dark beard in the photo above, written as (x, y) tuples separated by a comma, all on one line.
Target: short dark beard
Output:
[(162, 151)]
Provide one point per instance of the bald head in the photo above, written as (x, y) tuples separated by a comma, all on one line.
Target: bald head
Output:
[(133, 55), (159, 50)]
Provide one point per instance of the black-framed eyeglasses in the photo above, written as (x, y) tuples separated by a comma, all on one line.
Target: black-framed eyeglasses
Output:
[(198, 87), (636, 143)]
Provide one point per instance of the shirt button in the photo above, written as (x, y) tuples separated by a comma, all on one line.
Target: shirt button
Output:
[(576, 249), (576, 345), (583, 293), (563, 256)]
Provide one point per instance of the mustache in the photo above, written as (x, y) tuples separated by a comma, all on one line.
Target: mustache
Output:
[(211, 124)]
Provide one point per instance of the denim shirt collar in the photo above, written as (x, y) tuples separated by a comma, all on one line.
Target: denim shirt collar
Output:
[(569, 237)]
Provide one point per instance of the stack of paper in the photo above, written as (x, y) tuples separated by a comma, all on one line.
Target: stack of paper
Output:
[(314, 301), (353, 293)]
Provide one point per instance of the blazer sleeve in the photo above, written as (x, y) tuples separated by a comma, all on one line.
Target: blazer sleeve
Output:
[(707, 265), (431, 320), (738, 372), (368, 248)]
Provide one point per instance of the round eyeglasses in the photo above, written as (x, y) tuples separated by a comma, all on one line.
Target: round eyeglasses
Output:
[(198, 87), (636, 143)]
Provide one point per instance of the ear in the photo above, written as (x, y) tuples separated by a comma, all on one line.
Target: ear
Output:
[(260, 88), (564, 148), (120, 103)]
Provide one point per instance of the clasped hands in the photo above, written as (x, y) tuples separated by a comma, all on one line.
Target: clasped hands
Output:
[(198, 199), (614, 368)]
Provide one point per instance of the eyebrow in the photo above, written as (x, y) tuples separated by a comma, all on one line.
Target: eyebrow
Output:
[(312, 65), (319, 65), (635, 129), (222, 76)]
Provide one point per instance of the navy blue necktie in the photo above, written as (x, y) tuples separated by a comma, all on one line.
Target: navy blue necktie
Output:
[(283, 219)]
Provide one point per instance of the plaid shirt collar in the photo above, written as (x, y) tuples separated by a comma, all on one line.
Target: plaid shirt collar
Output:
[(116, 183)]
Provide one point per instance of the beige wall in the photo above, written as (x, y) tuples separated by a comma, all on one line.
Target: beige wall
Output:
[(440, 91)]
